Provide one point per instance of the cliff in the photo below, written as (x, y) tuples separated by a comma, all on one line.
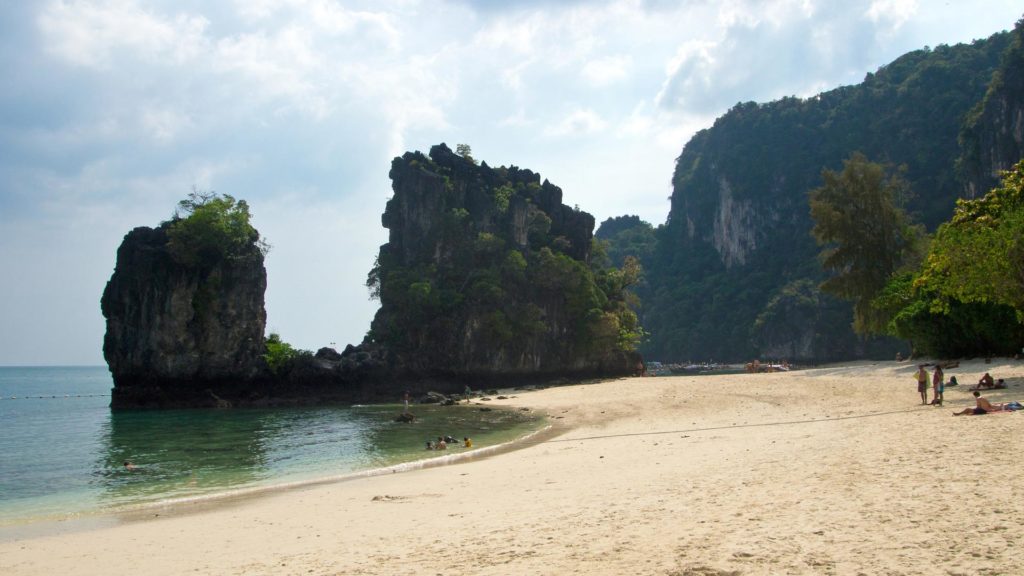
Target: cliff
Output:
[(487, 275), (177, 332), (993, 135), (736, 247)]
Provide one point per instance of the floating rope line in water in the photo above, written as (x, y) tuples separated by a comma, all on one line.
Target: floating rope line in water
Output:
[(54, 397)]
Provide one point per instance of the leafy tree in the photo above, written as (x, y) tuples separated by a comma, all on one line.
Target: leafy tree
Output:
[(465, 151), (208, 227), (866, 235), (280, 356), (978, 257)]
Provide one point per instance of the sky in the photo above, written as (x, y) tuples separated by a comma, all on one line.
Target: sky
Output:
[(113, 110)]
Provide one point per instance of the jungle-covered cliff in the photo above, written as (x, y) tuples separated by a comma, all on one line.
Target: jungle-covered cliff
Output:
[(487, 274), (734, 272)]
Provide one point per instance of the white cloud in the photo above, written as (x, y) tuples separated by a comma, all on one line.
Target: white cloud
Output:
[(116, 108), (607, 70), (893, 12), (91, 33), (581, 122), (164, 124)]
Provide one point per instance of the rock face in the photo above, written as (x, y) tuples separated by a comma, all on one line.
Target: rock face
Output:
[(485, 276), (993, 136), (738, 234), (176, 335)]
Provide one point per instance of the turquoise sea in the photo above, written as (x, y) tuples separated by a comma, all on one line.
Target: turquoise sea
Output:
[(62, 450)]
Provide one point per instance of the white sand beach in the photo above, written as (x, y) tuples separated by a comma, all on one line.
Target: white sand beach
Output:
[(838, 470)]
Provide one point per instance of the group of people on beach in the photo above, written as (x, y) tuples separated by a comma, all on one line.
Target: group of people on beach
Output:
[(443, 442), (938, 385)]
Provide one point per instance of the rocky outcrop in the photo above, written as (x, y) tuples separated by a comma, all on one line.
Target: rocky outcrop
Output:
[(483, 282), (490, 265), (181, 331)]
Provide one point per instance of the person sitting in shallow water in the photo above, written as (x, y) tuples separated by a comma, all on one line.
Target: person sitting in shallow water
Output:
[(982, 406)]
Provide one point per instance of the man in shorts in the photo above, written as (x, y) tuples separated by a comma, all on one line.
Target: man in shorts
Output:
[(982, 406), (922, 383)]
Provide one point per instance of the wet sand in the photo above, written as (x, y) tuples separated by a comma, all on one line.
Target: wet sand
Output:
[(838, 470)]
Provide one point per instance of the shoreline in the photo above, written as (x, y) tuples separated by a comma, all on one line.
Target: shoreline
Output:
[(837, 469), (40, 526)]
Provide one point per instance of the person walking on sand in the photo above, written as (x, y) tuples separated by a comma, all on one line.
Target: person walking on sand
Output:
[(938, 386), (922, 383), (981, 406)]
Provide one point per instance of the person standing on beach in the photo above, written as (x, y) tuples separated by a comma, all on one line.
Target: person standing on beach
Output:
[(406, 399), (937, 386), (922, 383)]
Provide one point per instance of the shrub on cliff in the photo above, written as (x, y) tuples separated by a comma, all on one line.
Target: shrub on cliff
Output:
[(208, 227), (281, 356)]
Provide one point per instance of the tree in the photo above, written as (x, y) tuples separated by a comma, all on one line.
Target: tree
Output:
[(978, 257), (865, 233), (208, 227), (465, 151)]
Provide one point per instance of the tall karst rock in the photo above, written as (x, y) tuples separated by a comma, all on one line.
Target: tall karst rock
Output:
[(736, 248), (487, 275), (993, 136), (180, 333)]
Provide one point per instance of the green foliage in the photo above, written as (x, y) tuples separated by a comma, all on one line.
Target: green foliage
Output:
[(498, 276), (766, 157), (627, 236), (502, 194), (966, 298), (978, 257), (865, 233), (949, 328), (208, 227), (280, 356), (465, 151)]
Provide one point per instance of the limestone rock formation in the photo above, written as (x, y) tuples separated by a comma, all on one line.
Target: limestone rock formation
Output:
[(738, 236), (486, 276), (177, 334), (993, 136)]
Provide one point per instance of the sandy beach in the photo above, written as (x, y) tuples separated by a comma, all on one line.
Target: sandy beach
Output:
[(837, 470)]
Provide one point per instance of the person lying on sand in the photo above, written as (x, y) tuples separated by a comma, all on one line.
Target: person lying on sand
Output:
[(982, 406)]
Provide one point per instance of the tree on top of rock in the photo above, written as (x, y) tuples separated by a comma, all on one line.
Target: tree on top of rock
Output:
[(208, 227)]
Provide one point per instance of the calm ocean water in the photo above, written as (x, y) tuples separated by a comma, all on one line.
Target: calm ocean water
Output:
[(62, 450)]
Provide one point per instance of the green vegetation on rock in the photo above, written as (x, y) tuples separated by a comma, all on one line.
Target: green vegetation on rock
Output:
[(487, 271), (208, 227), (737, 240)]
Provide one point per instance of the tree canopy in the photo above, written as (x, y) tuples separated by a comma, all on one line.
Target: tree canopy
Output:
[(208, 227), (865, 234), (978, 257)]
